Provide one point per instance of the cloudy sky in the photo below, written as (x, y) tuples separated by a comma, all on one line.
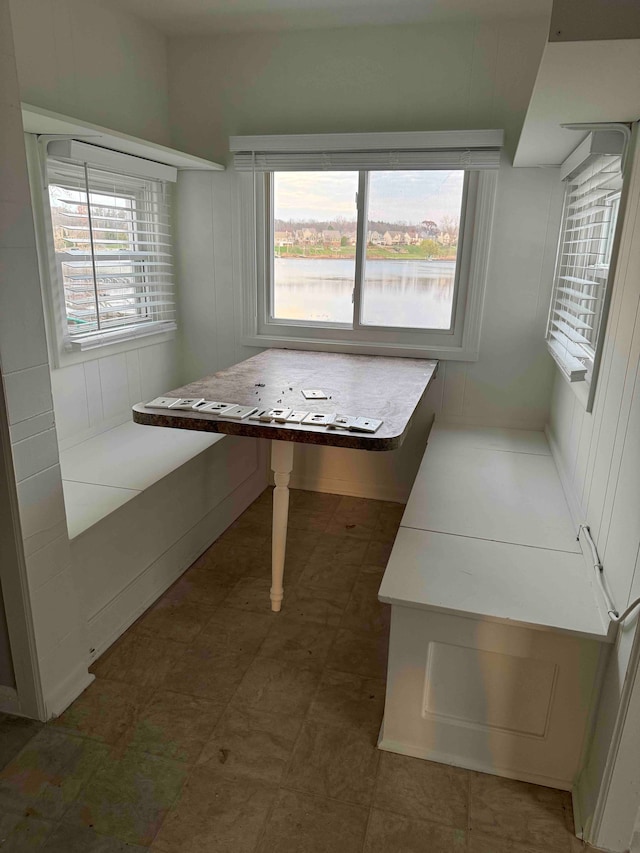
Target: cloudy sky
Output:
[(402, 197)]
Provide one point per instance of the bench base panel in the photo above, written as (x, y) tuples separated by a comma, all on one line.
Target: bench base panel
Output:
[(505, 700), (124, 563)]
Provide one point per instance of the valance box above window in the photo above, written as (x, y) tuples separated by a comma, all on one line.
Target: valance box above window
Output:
[(457, 149)]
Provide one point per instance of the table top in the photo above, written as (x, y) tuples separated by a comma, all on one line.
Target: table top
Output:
[(381, 387)]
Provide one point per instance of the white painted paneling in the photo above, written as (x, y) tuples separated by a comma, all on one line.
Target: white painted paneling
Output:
[(111, 555), (133, 377), (93, 390), (96, 395), (34, 454), (70, 401), (159, 369), (55, 608), (22, 338), (23, 360), (32, 426), (600, 455), (41, 508), (489, 729), (42, 565), (114, 386), (28, 393)]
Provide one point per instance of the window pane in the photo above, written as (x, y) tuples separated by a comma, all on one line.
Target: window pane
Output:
[(412, 248), (112, 247), (314, 245)]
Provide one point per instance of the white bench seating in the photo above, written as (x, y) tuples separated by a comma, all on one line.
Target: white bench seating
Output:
[(497, 627), (142, 504), (101, 474)]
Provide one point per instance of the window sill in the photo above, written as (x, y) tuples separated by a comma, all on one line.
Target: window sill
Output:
[(580, 389), (446, 353), (97, 340), (65, 358)]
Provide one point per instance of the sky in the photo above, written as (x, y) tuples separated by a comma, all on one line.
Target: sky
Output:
[(402, 197)]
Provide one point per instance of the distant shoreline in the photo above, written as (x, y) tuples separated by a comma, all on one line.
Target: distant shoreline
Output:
[(369, 260)]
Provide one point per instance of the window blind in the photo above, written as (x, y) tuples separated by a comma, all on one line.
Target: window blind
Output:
[(368, 151), (113, 252), (592, 197)]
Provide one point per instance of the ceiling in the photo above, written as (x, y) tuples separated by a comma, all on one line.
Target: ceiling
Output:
[(208, 17)]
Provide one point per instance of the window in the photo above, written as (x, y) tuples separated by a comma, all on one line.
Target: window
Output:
[(407, 274), (577, 317), (110, 234), (367, 249)]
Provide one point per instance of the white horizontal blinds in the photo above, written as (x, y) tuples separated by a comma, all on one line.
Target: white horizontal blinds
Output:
[(335, 161), (592, 195), (457, 149), (112, 242)]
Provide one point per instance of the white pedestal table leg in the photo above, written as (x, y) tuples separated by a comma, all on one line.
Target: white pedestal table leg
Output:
[(281, 465)]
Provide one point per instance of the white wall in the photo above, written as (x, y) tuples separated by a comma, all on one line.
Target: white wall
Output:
[(96, 395), (89, 60), (600, 456), (371, 79), (50, 614), (96, 63)]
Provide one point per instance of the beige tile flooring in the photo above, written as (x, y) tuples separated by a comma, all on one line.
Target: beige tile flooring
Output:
[(215, 726)]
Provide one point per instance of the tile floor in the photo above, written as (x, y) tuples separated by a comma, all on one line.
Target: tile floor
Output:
[(215, 726)]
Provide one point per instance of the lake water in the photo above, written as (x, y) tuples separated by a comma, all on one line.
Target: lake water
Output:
[(412, 293)]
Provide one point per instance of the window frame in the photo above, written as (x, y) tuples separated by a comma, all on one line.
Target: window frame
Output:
[(63, 351), (605, 141), (460, 342)]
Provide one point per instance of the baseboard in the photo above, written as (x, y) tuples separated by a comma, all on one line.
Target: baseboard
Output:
[(501, 423), (351, 488), (577, 813), (442, 758), (121, 612), (9, 703), (68, 691)]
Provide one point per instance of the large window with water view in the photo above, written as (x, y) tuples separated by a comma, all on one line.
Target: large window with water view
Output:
[(369, 249)]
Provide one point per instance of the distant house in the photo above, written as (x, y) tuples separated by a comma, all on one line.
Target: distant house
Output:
[(331, 236), (393, 238), (283, 238), (350, 236), (444, 239), (306, 235), (375, 238)]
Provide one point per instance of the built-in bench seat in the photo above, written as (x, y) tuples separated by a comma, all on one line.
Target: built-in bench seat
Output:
[(497, 626), (101, 474), (142, 504)]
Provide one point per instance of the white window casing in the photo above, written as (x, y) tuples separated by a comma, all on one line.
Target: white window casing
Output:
[(107, 225), (593, 179), (477, 153)]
